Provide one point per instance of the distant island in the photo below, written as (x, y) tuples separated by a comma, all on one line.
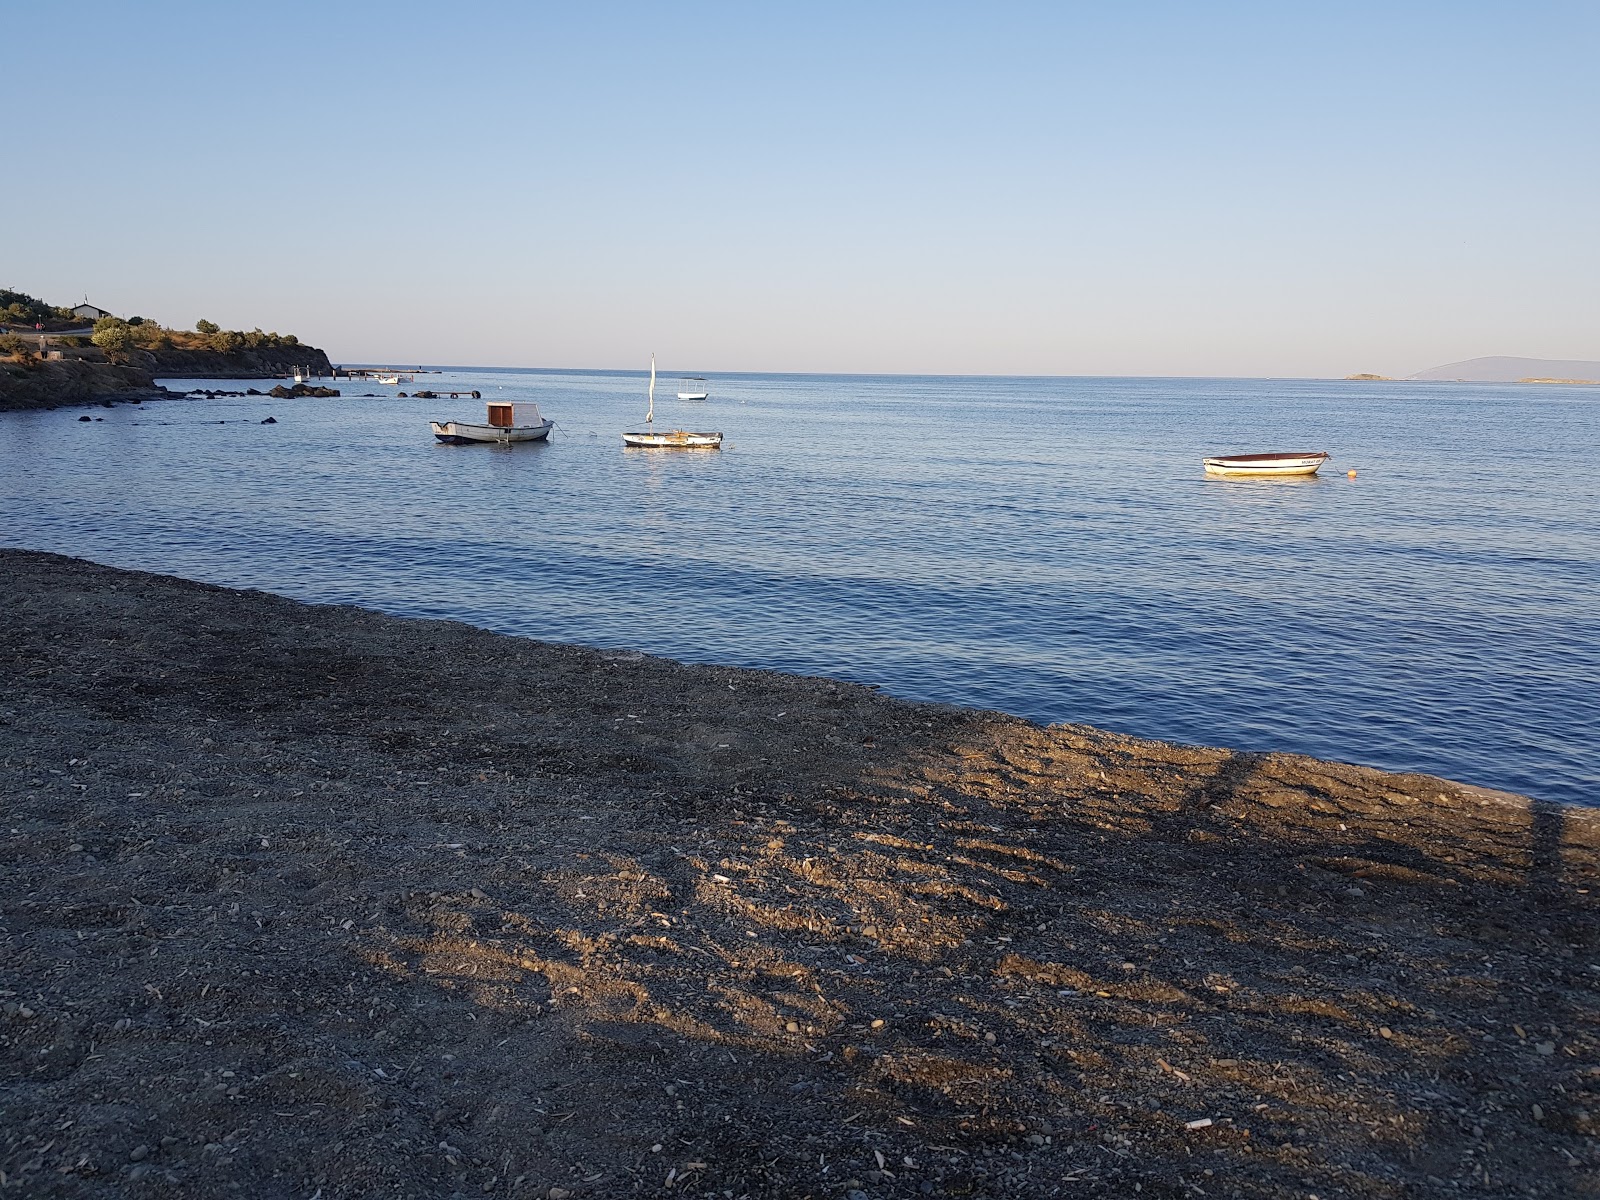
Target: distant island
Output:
[(1504, 369), (1365, 375), (52, 355)]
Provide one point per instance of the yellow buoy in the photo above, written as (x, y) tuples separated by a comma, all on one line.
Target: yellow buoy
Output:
[(1352, 474)]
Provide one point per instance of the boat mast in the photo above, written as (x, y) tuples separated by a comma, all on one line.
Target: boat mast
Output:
[(650, 416)]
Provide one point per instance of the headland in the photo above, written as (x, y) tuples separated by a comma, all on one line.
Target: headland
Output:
[(351, 903), (53, 356)]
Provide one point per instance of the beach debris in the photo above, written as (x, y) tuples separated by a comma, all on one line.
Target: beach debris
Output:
[(1200, 1123), (1172, 1070)]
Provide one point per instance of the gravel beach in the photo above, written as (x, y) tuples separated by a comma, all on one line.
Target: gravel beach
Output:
[(308, 901)]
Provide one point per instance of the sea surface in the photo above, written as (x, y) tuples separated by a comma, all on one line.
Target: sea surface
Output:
[(1047, 547)]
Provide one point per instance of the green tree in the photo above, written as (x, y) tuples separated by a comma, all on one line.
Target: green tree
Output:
[(207, 327), (112, 333), (25, 309), (228, 341)]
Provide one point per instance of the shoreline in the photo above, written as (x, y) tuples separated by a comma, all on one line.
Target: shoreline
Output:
[(358, 902)]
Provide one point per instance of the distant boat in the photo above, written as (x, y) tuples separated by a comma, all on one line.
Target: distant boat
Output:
[(393, 379), (1292, 463), (506, 423), (676, 439), (693, 388)]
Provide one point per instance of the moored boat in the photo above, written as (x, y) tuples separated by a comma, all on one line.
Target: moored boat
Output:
[(693, 388), (519, 422), (1303, 462), (676, 439)]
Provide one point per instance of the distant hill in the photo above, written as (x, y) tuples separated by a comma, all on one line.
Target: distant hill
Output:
[(1501, 369)]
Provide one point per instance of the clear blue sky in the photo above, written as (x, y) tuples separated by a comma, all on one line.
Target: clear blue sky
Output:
[(1135, 188)]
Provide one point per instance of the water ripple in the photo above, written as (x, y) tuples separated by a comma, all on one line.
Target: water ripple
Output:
[(1047, 547)]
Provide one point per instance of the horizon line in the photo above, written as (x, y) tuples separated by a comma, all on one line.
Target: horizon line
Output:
[(709, 373)]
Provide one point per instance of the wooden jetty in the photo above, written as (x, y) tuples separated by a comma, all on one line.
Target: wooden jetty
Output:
[(378, 372)]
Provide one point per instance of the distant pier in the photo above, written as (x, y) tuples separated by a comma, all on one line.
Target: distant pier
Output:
[(407, 373)]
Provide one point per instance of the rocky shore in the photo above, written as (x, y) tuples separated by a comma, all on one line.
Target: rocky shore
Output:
[(265, 363), (315, 902), (131, 374), (39, 385)]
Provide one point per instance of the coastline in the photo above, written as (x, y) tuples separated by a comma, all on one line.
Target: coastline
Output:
[(130, 376), (74, 383), (356, 902)]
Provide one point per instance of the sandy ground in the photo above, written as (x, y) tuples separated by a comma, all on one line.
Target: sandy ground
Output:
[(312, 902)]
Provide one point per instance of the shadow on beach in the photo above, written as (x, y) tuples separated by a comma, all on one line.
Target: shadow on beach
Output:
[(343, 902)]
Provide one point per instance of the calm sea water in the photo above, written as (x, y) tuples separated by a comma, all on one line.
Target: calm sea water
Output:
[(1048, 547)]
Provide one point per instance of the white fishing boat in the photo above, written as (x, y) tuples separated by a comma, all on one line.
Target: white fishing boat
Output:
[(392, 380), (674, 439), (693, 388), (520, 422), (1290, 463)]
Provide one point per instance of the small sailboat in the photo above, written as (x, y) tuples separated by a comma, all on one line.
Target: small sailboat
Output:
[(692, 388), (676, 439), (1302, 462)]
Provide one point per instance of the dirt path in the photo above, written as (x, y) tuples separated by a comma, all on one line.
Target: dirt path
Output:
[(301, 901)]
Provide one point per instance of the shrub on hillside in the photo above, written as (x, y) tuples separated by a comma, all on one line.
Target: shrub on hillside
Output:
[(112, 334), (152, 337), (27, 310), (207, 327)]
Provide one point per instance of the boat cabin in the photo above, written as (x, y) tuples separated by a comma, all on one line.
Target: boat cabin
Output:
[(512, 416)]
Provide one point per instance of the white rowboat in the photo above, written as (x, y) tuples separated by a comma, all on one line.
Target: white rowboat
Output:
[(677, 439), (1295, 463)]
